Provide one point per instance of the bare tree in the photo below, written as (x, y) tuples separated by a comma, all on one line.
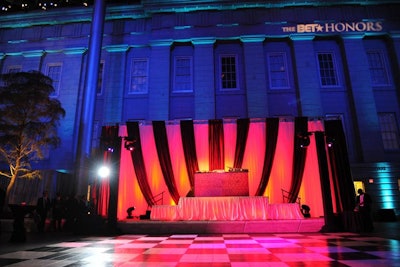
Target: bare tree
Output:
[(29, 117)]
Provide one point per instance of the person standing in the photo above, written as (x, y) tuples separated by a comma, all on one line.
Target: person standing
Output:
[(57, 212), (42, 208), (364, 204)]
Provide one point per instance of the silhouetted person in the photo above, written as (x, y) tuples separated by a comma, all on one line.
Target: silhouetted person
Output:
[(42, 208), (58, 212), (364, 203), (71, 212)]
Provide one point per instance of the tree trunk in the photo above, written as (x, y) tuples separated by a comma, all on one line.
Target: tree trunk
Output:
[(9, 187)]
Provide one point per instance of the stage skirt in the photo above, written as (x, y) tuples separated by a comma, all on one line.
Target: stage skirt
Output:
[(225, 208)]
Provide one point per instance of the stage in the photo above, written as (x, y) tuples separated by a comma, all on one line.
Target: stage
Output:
[(136, 226), (237, 214)]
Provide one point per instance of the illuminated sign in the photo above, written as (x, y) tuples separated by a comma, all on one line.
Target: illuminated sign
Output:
[(335, 27)]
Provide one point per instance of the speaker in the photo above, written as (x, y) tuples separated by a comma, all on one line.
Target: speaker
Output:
[(145, 216)]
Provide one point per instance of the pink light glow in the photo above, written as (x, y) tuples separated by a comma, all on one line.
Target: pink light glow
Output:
[(310, 193)]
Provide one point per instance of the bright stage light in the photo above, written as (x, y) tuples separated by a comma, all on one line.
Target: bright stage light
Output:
[(104, 172)]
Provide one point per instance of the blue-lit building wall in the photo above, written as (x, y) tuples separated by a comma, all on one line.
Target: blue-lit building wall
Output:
[(251, 32)]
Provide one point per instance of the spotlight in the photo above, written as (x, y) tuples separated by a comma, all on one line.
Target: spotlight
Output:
[(103, 172), (304, 141), (129, 143), (129, 211), (330, 141)]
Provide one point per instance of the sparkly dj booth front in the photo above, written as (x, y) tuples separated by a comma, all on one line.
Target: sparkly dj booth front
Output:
[(221, 183)]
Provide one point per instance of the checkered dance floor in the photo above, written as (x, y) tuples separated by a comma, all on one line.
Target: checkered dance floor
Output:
[(222, 250)]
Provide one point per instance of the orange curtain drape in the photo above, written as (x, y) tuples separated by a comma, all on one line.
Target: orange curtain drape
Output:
[(254, 159)]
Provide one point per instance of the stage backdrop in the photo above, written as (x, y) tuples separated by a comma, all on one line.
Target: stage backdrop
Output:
[(162, 189)]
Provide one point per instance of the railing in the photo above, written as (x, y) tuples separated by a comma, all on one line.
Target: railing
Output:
[(157, 199), (286, 195)]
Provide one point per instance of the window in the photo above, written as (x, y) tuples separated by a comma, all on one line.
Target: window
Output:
[(99, 89), (183, 74), (139, 76), (54, 72), (327, 70), (389, 131), (377, 67), (278, 74), (228, 72)]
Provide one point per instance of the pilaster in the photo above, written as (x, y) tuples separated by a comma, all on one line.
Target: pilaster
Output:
[(308, 84), (255, 78), (363, 99), (204, 83), (159, 80)]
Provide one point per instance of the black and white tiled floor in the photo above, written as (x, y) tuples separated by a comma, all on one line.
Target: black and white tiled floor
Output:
[(219, 250)]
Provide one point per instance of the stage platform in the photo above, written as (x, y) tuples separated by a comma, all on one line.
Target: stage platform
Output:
[(306, 225), (220, 215)]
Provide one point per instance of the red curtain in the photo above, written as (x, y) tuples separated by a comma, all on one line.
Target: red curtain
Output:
[(216, 144), (340, 166), (299, 156), (189, 148), (161, 140), (272, 125), (241, 138), (137, 160), (147, 169), (110, 145)]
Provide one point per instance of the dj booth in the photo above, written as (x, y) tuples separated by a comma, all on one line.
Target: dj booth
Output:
[(221, 183), (221, 195)]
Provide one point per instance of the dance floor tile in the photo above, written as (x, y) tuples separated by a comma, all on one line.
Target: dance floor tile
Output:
[(248, 250), (129, 250), (203, 264), (253, 257), (166, 251), (331, 249), (172, 245), (7, 262), (101, 259), (370, 263), (290, 250), (157, 258), (279, 245), (139, 245), (394, 255), (352, 256), (206, 251), (210, 258), (207, 245), (71, 244), (41, 263), (245, 242), (317, 264), (302, 257), (26, 255), (214, 250), (209, 239), (258, 264), (176, 241)]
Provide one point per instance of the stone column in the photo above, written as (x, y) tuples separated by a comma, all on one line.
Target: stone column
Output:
[(115, 83), (89, 96), (308, 84), (204, 83), (159, 80), (366, 119), (255, 78)]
